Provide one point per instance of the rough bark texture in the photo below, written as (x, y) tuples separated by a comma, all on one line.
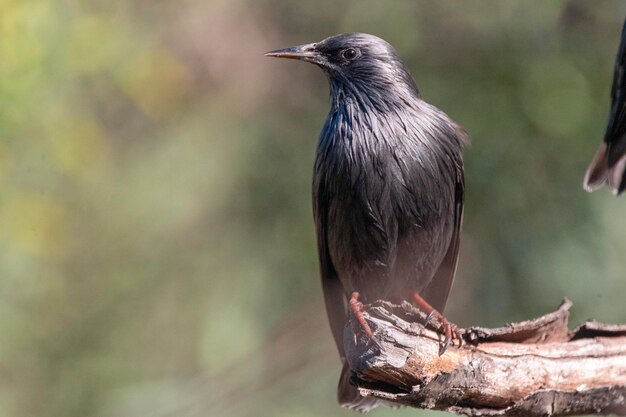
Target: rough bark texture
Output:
[(533, 368)]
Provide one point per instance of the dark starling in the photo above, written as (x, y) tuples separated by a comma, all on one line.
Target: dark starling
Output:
[(609, 162), (387, 188)]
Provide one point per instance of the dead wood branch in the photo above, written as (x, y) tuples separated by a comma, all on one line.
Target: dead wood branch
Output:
[(532, 368)]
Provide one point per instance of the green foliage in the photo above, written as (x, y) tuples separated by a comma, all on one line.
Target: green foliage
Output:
[(157, 254)]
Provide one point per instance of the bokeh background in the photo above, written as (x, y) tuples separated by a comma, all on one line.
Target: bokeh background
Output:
[(157, 252)]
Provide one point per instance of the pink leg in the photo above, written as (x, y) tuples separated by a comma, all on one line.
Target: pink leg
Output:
[(357, 309)]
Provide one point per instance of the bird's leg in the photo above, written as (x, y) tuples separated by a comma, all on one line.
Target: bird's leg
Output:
[(357, 308), (450, 330)]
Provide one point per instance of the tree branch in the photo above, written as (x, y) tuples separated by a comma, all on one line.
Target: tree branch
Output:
[(533, 368)]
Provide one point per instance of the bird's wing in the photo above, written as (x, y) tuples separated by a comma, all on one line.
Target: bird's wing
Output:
[(334, 296), (609, 163), (617, 119), (336, 304), (616, 129), (439, 288)]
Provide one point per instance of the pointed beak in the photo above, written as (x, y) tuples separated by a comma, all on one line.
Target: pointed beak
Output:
[(303, 52)]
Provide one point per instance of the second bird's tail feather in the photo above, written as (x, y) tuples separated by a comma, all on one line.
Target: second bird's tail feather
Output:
[(599, 172)]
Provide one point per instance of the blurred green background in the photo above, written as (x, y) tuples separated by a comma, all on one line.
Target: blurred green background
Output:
[(157, 252)]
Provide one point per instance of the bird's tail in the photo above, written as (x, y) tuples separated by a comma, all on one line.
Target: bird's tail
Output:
[(348, 395), (602, 171)]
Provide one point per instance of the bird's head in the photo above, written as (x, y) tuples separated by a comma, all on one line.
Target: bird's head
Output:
[(355, 59)]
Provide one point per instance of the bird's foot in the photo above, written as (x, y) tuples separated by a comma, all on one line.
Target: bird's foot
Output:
[(357, 309), (450, 331)]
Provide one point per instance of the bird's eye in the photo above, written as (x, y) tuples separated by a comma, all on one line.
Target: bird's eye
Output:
[(350, 54)]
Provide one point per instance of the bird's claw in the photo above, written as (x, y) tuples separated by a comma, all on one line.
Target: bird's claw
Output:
[(429, 318), (451, 332)]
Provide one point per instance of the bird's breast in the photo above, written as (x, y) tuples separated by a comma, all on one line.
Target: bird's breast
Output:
[(375, 187)]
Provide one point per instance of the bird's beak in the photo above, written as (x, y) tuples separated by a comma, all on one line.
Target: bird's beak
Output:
[(303, 52)]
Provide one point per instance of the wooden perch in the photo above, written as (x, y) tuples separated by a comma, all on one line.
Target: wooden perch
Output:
[(532, 368)]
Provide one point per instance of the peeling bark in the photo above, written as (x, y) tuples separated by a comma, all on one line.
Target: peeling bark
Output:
[(533, 368)]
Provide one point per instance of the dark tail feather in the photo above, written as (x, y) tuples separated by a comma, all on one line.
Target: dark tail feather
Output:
[(616, 179), (598, 171), (348, 395)]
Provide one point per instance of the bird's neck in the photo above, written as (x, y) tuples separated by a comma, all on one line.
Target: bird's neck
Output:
[(371, 97)]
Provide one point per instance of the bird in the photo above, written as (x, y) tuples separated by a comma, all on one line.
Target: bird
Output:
[(609, 162), (388, 190)]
